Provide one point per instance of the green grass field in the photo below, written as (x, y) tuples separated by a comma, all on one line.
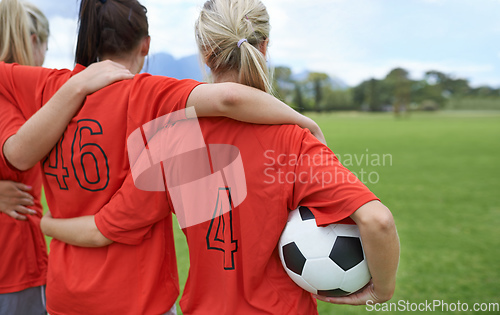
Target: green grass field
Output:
[(443, 188), (439, 174), (474, 103)]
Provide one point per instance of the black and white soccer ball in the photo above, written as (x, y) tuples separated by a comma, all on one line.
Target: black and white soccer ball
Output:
[(327, 261)]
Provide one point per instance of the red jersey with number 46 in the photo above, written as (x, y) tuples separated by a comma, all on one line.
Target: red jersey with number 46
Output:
[(82, 173)]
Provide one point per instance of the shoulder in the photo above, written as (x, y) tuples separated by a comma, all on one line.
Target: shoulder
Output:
[(291, 136), (29, 71), (146, 79)]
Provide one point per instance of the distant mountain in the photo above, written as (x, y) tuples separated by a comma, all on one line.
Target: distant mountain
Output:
[(189, 68), (165, 64), (336, 82)]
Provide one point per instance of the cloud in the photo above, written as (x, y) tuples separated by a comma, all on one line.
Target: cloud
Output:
[(326, 36), (357, 40), (351, 39), (434, 1), (172, 26), (51, 8), (62, 43)]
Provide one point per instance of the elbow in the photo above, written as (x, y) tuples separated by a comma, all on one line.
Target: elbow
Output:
[(384, 222), (230, 97), (383, 297), (389, 295), (99, 240), (376, 217), (21, 162)]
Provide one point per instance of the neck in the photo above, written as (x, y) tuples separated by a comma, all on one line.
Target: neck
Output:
[(229, 76), (132, 64)]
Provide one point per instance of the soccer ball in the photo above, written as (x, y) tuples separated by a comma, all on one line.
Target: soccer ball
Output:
[(327, 261)]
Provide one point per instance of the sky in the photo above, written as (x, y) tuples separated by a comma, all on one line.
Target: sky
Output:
[(353, 40)]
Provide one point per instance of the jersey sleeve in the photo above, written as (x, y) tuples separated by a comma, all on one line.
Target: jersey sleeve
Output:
[(21, 95), (128, 217), (324, 185), (23, 86), (131, 213), (12, 120), (155, 96)]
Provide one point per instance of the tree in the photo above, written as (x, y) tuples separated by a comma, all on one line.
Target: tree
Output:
[(283, 83), (339, 99), (358, 94), (372, 96), (319, 82), (298, 98), (400, 86)]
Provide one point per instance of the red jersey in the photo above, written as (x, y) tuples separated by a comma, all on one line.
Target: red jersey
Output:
[(82, 173), (234, 262), (23, 250)]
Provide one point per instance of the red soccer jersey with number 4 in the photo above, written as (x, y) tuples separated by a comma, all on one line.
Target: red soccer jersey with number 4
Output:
[(235, 266), (234, 262)]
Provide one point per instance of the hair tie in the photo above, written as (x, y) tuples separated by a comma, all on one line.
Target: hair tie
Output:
[(103, 1), (241, 41)]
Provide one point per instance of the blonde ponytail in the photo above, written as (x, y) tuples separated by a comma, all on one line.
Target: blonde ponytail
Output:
[(39, 24), (18, 21), (229, 34)]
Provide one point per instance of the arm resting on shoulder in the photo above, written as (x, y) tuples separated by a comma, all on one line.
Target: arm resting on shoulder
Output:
[(27, 147), (248, 104)]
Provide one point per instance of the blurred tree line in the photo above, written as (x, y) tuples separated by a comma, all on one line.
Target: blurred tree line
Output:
[(396, 92)]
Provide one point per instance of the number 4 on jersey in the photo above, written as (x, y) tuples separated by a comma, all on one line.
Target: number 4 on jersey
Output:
[(54, 166), (220, 231)]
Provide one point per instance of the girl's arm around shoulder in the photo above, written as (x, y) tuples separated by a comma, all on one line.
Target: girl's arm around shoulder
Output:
[(247, 104), (26, 148)]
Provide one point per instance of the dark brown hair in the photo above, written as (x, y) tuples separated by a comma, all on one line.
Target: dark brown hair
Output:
[(109, 27)]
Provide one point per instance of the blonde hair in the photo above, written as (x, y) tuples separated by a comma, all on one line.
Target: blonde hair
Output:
[(18, 21), (229, 34)]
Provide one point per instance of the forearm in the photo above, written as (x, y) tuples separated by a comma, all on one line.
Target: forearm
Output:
[(27, 147), (247, 104), (40, 133), (80, 231), (381, 246)]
